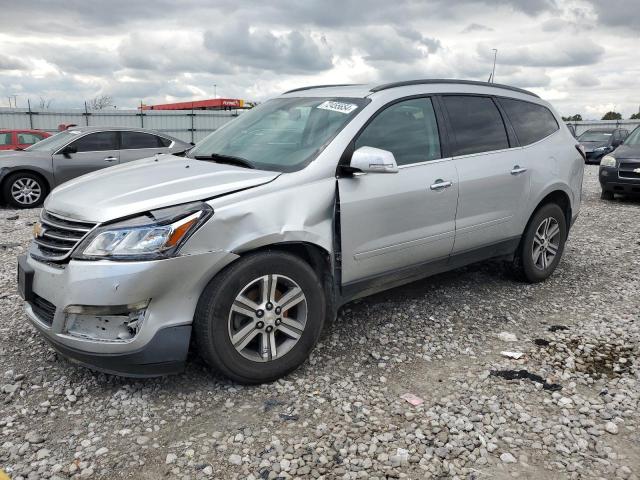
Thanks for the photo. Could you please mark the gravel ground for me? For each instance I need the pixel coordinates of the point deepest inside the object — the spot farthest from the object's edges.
(567, 409)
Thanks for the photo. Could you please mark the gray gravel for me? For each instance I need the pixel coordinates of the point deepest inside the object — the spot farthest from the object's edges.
(341, 415)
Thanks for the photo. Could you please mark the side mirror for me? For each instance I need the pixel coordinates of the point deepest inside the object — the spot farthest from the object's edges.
(373, 160)
(68, 150)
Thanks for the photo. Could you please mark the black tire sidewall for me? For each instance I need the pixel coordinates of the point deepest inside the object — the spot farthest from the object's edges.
(530, 271)
(11, 179)
(212, 336)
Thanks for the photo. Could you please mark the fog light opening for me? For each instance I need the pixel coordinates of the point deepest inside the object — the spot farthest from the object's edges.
(108, 324)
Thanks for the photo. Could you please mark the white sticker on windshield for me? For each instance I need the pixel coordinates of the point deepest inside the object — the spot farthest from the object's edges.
(341, 107)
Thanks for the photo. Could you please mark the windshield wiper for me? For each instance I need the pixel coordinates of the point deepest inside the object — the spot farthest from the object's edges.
(230, 159)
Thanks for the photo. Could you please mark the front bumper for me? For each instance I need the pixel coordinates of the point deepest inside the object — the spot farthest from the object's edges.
(610, 181)
(171, 287)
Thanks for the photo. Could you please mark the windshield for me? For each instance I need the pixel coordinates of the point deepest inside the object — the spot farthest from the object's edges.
(633, 138)
(595, 136)
(54, 142)
(284, 134)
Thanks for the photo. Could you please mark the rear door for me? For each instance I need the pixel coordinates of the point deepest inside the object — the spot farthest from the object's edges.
(493, 175)
(392, 221)
(95, 151)
(136, 145)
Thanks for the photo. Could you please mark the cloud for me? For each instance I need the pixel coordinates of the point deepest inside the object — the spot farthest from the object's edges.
(618, 13)
(584, 79)
(260, 48)
(11, 63)
(567, 52)
(476, 27)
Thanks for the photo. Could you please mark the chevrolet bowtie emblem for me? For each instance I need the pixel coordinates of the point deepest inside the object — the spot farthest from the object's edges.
(636, 170)
(38, 230)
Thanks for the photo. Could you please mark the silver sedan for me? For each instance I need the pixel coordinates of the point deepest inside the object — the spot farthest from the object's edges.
(27, 176)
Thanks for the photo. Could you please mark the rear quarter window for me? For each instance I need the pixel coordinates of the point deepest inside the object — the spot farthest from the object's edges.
(530, 121)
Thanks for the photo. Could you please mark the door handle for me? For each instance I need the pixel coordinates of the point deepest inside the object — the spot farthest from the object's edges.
(111, 159)
(441, 184)
(517, 170)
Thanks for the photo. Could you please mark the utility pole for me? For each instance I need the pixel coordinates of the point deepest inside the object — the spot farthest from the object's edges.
(215, 88)
(492, 77)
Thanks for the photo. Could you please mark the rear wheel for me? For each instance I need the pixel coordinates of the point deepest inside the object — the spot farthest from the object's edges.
(260, 318)
(606, 195)
(24, 190)
(542, 244)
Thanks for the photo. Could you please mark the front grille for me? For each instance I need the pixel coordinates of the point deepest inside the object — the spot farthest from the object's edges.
(626, 170)
(58, 237)
(43, 309)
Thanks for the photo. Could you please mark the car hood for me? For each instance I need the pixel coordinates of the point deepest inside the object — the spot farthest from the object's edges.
(148, 184)
(624, 152)
(13, 158)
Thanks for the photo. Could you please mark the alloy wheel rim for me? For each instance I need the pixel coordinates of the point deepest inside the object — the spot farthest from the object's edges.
(546, 243)
(267, 318)
(26, 191)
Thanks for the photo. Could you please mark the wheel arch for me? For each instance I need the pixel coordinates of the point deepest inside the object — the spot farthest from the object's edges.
(9, 173)
(559, 196)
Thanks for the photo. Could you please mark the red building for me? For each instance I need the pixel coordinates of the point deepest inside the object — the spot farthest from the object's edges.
(212, 104)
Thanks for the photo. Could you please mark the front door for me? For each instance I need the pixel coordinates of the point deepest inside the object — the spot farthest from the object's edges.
(397, 220)
(94, 151)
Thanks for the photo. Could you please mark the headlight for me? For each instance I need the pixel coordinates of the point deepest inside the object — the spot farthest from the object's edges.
(608, 161)
(157, 234)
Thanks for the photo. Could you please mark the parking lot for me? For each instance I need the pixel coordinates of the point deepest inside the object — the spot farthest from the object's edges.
(567, 409)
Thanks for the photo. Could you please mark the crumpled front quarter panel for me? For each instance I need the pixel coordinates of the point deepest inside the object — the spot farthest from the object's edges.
(266, 215)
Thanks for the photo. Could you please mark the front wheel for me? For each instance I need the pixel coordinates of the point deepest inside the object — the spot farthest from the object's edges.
(24, 190)
(542, 244)
(260, 318)
(606, 195)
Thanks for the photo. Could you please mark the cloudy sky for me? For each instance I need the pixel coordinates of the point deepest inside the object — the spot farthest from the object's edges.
(582, 55)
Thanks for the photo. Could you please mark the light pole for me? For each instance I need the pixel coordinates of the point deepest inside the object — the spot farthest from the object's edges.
(215, 87)
(492, 77)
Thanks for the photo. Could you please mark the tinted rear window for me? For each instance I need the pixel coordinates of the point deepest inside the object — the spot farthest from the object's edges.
(133, 140)
(530, 121)
(477, 124)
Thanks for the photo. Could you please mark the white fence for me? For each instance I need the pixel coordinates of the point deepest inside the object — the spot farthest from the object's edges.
(190, 126)
(585, 125)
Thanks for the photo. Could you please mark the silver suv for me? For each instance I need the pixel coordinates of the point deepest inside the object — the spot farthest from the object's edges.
(251, 242)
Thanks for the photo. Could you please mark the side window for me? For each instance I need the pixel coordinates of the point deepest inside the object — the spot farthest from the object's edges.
(25, 138)
(134, 140)
(407, 129)
(530, 121)
(477, 124)
(97, 142)
(5, 138)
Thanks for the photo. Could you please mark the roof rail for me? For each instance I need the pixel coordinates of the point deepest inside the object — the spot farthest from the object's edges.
(387, 86)
(322, 86)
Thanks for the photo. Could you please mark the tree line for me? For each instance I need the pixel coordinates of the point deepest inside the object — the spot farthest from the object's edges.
(611, 115)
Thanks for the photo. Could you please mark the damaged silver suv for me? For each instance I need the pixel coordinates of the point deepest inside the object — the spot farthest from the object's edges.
(255, 238)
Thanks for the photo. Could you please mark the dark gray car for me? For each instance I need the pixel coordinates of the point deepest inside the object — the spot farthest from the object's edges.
(27, 176)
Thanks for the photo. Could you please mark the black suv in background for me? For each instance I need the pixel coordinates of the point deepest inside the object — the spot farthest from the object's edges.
(597, 142)
(620, 170)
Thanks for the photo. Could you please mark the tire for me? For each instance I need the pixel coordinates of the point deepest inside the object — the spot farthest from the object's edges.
(24, 190)
(240, 285)
(606, 195)
(536, 271)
